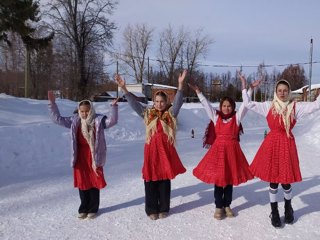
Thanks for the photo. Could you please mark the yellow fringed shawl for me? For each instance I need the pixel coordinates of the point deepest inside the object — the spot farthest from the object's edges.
(168, 122)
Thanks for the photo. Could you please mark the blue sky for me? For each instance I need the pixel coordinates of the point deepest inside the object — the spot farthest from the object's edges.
(245, 32)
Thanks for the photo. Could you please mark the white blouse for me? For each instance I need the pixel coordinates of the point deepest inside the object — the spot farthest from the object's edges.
(302, 108)
(212, 112)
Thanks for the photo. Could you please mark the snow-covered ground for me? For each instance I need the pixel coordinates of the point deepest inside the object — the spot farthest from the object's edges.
(38, 201)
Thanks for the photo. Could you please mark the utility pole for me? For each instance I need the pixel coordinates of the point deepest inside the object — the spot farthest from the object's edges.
(117, 74)
(310, 68)
(148, 70)
(26, 72)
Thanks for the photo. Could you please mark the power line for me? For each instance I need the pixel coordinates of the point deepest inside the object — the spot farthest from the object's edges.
(264, 65)
(216, 65)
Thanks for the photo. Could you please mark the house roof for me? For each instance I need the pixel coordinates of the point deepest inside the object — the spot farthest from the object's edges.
(138, 94)
(300, 90)
(114, 93)
(154, 85)
(120, 94)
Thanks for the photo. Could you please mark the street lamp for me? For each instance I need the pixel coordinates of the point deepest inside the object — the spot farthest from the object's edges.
(310, 68)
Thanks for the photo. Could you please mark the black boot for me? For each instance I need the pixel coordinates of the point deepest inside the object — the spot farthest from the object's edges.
(275, 218)
(288, 212)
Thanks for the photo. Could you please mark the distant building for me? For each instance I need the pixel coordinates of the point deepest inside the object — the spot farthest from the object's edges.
(107, 96)
(144, 92)
(148, 90)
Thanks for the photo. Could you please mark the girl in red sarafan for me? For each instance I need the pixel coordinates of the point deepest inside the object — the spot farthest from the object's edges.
(88, 150)
(276, 161)
(161, 160)
(224, 165)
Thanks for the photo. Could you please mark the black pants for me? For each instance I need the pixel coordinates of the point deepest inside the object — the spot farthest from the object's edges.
(157, 196)
(223, 196)
(90, 200)
(276, 185)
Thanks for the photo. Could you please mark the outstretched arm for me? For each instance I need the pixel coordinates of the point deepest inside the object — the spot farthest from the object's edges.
(178, 99)
(194, 88)
(258, 107)
(113, 119)
(181, 79)
(54, 112)
(245, 98)
(211, 112)
(121, 83)
(51, 97)
(253, 85)
(242, 79)
(305, 108)
(134, 104)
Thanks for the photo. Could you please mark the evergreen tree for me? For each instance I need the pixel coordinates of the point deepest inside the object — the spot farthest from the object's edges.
(21, 16)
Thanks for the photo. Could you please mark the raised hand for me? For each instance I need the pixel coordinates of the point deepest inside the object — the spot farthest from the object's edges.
(51, 96)
(121, 83)
(255, 83)
(194, 88)
(181, 79)
(182, 76)
(114, 102)
(242, 79)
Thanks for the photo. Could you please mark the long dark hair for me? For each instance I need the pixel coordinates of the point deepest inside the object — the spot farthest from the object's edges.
(230, 100)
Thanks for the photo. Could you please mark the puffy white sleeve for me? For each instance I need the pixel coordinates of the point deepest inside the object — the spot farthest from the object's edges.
(261, 108)
(211, 112)
(305, 108)
(243, 107)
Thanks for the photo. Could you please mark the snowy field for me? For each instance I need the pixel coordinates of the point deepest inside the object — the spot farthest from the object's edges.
(38, 201)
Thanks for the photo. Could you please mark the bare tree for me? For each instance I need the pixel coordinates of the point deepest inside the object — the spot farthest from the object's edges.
(96, 75)
(137, 41)
(12, 64)
(64, 73)
(84, 24)
(196, 46)
(23, 18)
(41, 72)
(295, 75)
(12, 57)
(170, 46)
(262, 75)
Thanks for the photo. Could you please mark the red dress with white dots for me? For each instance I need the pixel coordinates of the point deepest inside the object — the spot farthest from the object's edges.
(224, 163)
(277, 158)
(161, 160)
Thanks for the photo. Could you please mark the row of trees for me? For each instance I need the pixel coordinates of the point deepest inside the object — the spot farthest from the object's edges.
(18, 21)
(72, 60)
(73, 51)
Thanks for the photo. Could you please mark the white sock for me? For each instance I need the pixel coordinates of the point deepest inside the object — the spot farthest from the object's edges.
(287, 194)
(273, 194)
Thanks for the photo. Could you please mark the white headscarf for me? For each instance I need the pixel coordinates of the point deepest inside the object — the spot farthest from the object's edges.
(285, 109)
(87, 129)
